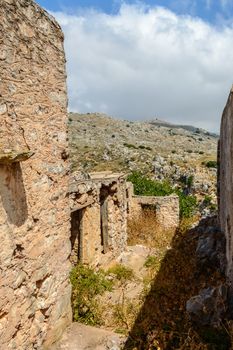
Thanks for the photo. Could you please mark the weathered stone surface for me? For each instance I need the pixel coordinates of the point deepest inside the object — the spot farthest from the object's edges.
(167, 209)
(226, 182)
(209, 307)
(34, 208)
(211, 248)
(15, 157)
(99, 217)
(81, 337)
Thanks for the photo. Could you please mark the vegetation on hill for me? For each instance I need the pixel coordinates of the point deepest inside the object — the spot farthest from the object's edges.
(175, 155)
(143, 186)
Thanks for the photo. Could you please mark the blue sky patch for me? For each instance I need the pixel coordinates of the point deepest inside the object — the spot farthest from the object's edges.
(213, 11)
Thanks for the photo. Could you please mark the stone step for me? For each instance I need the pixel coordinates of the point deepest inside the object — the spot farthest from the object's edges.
(82, 337)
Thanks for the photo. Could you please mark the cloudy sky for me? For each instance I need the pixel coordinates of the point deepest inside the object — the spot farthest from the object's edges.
(144, 59)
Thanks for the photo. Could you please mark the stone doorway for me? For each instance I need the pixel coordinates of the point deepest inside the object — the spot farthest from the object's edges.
(104, 219)
(76, 237)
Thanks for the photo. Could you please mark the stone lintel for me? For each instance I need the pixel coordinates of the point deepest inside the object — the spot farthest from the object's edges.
(14, 156)
(84, 205)
(150, 200)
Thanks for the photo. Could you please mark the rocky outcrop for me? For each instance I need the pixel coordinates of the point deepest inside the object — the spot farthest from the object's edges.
(210, 250)
(209, 307)
(212, 304)
(34, 215)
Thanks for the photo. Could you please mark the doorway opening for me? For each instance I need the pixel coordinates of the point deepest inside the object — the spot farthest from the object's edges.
(76, 237)
(104, 196)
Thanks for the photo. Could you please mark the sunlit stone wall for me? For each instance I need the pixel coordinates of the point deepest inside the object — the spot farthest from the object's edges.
(34, 209)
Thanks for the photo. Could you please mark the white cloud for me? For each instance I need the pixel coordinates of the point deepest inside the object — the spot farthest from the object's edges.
(146, 62)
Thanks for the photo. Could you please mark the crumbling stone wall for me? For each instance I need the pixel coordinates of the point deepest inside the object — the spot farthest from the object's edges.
(98, 202)
(34, 208)
(166, 208)
(117, 218)
(225, 182)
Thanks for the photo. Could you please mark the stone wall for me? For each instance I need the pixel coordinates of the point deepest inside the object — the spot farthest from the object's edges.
(98, 203)
(166, 208)
(225, 182)
(34, 208)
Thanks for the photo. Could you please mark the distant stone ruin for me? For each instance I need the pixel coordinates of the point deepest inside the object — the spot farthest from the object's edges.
(166, 209)
(226, 182)
(98, 217)
(34, 174)
(101, 205)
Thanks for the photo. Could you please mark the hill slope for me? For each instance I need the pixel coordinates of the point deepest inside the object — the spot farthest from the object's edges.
(99, 142)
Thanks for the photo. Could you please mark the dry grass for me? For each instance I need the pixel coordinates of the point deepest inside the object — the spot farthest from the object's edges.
(146, 230)
(162, 323)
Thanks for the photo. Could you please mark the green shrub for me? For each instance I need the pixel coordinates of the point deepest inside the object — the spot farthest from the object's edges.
(130, 145)
(211, 164)
(190, 181)
(213, 207)
(145, 147)
(187, 180)
(207, 200)
(86, 285)
(208, 203)
(152, 261)
(122, 272)
(188, 204)
(147, 187)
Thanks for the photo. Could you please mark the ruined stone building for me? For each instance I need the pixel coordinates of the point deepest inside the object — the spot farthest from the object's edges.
(166, 209)
(34, 208)
(98, 217)
(101, 205)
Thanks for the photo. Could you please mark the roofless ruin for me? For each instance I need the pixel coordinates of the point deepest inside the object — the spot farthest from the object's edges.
(49, 219)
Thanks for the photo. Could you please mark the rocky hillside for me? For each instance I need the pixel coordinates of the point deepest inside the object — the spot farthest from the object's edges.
(159, 149)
